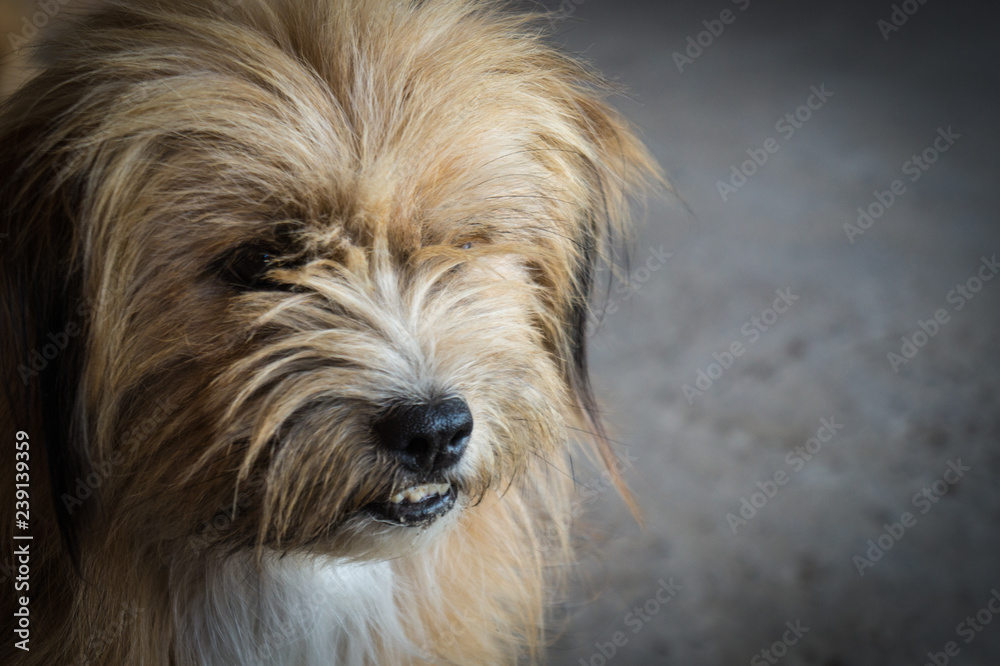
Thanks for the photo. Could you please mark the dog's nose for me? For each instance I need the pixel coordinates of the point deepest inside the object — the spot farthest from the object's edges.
(426, 437)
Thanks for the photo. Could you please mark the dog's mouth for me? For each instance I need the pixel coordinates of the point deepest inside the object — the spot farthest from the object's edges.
(416, 506)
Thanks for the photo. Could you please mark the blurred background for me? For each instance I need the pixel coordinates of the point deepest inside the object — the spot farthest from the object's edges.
(810, 499)
(816, 489)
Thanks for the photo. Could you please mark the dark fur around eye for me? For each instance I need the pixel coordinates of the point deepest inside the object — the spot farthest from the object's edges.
(247, 267)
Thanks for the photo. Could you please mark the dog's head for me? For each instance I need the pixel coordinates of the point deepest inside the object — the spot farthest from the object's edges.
(321, 265)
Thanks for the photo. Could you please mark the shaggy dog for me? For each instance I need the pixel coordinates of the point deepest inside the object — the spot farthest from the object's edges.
(295, 297)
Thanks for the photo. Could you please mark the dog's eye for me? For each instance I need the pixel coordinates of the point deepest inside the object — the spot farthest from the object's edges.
(247, 268)
(467, 246)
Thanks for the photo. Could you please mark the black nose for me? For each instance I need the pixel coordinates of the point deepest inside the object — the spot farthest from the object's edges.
(426, 438)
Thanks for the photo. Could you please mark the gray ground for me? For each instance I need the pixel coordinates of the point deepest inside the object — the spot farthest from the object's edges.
(824, 358)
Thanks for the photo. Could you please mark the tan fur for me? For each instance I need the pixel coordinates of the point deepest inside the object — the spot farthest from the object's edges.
(439, 185)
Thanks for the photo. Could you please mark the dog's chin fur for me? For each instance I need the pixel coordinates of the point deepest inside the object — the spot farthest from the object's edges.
(238, 234)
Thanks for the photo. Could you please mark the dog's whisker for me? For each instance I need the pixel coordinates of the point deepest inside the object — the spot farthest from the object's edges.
(593, 433)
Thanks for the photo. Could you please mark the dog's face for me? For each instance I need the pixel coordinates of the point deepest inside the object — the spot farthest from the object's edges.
(341, 266)
(349, 365)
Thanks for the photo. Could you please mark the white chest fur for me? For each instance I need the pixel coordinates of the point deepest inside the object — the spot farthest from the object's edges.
(300, 611)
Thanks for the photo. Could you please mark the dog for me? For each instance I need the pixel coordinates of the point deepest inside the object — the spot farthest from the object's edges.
(295, 304)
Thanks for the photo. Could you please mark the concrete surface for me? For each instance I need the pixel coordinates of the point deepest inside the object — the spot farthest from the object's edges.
(800, 554)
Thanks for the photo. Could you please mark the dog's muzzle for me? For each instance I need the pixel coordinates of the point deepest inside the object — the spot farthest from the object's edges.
(427, 439)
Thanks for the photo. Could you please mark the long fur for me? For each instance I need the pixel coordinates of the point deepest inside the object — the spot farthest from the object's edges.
(438, 186)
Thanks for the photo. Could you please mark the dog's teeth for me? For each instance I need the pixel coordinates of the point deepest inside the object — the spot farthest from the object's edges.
(419, 493)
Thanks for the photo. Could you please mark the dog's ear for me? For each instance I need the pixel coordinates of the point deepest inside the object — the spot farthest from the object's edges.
(41, 325)
(618, 172)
